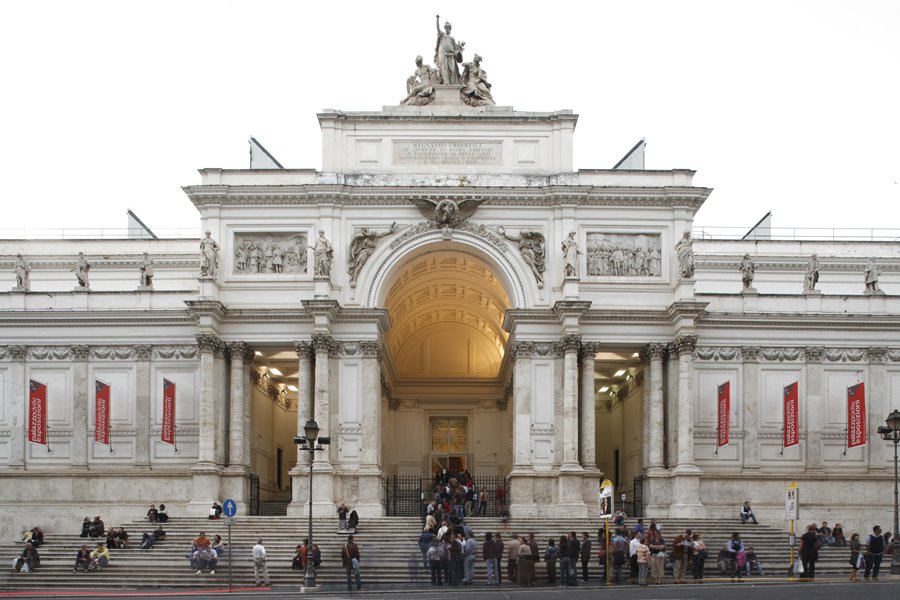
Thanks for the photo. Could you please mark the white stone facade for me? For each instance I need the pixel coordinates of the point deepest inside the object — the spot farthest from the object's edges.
(457, 318)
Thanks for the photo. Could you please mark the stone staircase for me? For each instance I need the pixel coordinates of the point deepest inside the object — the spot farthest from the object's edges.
(388, 546)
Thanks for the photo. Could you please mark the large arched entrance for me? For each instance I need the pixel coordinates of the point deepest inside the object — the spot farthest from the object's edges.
(445, 364)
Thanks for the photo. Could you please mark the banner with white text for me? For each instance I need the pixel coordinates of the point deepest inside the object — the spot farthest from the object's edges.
(724, 409)
(37, 412)
(856, 415)
(791, 415)
(168, 412)
(101, 412)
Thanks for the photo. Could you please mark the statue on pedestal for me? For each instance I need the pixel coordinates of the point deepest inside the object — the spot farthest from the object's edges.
(209, 256)
(323, 254)
(23, 273)
(812, 275)
(146, 271)
(420, 85)
(447, 53)
(361, 248)
(747, 272)
(476, 89)
(570, 255)
(685, 251)
(872, 276)
(82, 268)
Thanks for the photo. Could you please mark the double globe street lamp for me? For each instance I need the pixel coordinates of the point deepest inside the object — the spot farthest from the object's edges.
(311, 441)
(891, 433)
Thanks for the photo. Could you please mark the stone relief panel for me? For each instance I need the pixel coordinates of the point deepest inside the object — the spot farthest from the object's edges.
(270, 253)
(623, 255)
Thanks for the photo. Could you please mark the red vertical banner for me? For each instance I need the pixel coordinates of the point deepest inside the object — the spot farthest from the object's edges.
(856, 415)
(791, 415)
(168, 412)
(101, 412)
(37, 412)
(724, 410)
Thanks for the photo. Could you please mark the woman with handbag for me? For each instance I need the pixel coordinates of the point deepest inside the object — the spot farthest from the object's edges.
(857, 559)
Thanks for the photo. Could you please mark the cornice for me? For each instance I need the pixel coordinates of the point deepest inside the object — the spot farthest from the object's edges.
(542, 193)
(832, 264)
(799, 322)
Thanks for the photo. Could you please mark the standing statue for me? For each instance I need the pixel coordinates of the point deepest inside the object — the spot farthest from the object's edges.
(447, 53)
(685, 251)
(322, 256)
(747, 272)
(23, 273)
(531, 247)
(361, 248)
(82, 267)
(420, 85)
(570, 255)
(872, 276)
(146, 271)
(812, 275)
(476, 89)
(209, 256)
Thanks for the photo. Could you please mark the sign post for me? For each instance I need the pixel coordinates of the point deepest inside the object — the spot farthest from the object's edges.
(792, 514)
(229, 509)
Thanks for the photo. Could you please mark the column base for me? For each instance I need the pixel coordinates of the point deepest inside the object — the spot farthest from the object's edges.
(370, 485)
(206, 488)
(686, 493)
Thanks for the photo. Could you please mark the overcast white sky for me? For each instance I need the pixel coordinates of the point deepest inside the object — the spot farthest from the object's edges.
(781, 105)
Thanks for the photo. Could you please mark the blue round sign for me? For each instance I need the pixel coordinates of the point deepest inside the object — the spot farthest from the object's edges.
(229, 507)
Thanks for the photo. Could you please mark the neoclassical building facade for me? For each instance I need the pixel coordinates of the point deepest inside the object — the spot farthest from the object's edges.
(447, 291)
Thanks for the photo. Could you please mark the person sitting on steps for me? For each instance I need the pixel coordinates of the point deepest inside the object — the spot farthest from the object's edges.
(747, 514)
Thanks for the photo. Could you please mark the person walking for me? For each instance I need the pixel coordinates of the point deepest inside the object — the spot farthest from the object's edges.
(260, 570)
(350, 561)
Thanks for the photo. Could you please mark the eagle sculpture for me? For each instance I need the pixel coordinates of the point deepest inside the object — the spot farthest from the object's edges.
(447, 213)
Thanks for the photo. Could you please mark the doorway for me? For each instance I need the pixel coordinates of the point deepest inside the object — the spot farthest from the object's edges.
(449, 444)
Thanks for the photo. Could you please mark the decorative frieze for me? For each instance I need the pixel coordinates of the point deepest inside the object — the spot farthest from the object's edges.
(781, 354)
(270, 252)
(532, 349)
(814, 354)
(115, 352)
(81, 353)
(893, 355)
(170, 352)
(845, 354)
(623, 255)
(717, 353)
(49, 353)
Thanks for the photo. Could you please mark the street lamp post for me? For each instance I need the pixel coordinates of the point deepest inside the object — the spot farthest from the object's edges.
(312, 442)
(891, 433)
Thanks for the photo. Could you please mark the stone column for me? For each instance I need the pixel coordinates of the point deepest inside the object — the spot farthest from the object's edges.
(239, 406)
(521, 477)
(209, 346)
(814, 409)
(655, 416)
(370, 473)
(80, 406)
(569, 346)
(206, 482)
(587, 413)
(323, 471)
(142, 387)
(877, 407)
(305, 410)
(18, 405)
(645, 411)
(686, 481)
(751, 398)
(684, 346)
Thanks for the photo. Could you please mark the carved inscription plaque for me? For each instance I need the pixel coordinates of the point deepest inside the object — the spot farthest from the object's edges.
(447, 153)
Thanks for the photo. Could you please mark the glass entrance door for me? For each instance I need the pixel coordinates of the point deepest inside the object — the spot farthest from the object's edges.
(449, 444)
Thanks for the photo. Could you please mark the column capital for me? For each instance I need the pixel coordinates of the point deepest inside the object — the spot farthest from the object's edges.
(750, 353)
(17, 352)
(81, 353)
(569, 343)
(653, 351)
(876, 355)
(324, 343)
(685, 344)
(304, 349)
(207, 342)
(142, 351)
(240, 350)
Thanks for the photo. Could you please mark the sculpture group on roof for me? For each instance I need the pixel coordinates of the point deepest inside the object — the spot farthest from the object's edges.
(448, 55)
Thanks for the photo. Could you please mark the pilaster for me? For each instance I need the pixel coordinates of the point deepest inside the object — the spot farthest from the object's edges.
(814, 409)
(80, 386)
(686, 476)
(655, 416)
(587, 410)
(878, 408)
(142, 386)
(17, 405)
(370, 474)
(750, 387)
(206, 482)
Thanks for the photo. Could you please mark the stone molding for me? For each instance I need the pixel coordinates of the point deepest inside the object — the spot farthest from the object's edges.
(845, 354)
(81, 353)
(481, 231)
(207, 342)
(830, 264)
(532, 349)
(142, 352)
(364, 348)
(814, 354)
(782, 354)
(713, 434)
(809, 354)
(13, 352)
(49, 352)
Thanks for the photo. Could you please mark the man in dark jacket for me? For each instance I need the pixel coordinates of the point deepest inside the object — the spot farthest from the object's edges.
(350, 561)
(585, 555)
(574, 557)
